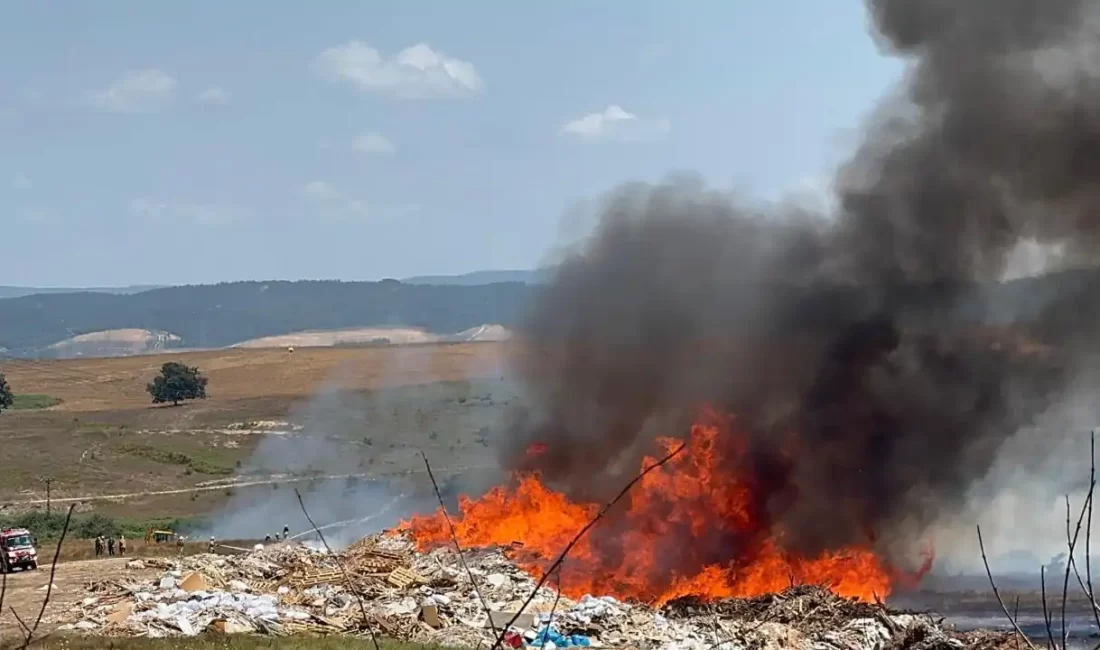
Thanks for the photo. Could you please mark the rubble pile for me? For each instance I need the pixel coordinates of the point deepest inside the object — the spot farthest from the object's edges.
(381, 584)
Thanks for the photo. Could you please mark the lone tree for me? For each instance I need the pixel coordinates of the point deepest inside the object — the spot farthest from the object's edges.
(177, 382)
(6, 398)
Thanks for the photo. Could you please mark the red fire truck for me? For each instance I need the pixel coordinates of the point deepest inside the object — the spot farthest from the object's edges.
(17, 550)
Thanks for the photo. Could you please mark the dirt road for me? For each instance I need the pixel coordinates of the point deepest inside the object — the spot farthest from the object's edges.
(244, 482)
(25, 590)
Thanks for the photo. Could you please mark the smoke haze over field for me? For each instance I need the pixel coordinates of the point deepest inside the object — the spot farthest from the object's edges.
(363, 448)
(842, 327)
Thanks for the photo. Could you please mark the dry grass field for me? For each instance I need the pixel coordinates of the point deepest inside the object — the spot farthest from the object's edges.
(241, 374)
(106, 438)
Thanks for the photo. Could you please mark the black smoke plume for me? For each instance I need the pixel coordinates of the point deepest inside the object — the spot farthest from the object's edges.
(855, 328)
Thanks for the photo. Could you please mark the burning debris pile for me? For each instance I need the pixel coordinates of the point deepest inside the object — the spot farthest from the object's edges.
(635, 554)
(428, 598)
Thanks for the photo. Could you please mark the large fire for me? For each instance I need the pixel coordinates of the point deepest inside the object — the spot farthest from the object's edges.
(673, 518)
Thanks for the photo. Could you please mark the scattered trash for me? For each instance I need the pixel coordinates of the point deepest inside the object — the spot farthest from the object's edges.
(428, 598)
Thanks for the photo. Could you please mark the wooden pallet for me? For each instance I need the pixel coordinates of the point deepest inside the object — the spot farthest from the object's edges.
(403, 578)
(263, 586)
(313, 578)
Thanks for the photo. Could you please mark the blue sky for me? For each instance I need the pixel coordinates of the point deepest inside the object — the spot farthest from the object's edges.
(201, 141)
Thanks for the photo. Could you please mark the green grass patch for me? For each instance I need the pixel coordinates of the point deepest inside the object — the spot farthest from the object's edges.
(223, 642)
(196, 464)
(47, 526)
(32, 402)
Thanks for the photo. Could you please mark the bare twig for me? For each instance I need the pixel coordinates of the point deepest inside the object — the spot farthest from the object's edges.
(1069, 566)
(1046, 613)
(1072, 543)
(347, 581)
(1086, 588)
(1070, 563)
(49, 586)
(1088, 528)
(1015, 618)
(18, 619)
(3, 592)
(553, 609)
(580, 534)
(458, 547)
(993, 584)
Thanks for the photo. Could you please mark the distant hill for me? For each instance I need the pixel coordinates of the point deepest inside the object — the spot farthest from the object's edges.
(220, 315)
(538, 276)
(18, 292)
(369, 336)
(113, 343)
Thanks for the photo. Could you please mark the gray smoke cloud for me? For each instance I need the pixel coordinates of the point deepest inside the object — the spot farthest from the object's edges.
(354, 454)
(858, 328)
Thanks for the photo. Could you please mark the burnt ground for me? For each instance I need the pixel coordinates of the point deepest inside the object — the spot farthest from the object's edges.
(968, 603)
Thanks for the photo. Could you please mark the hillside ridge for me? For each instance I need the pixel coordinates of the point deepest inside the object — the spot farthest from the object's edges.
(219, 315)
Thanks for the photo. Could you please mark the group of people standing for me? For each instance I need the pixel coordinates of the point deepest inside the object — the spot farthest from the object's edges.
(285, 537)
(108, 545)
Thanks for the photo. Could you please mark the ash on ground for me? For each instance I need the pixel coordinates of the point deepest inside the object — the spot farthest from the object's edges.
(381, 583)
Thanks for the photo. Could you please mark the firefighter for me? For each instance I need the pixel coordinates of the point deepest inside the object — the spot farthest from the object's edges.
(111, 546)
(212, 544)
(99, 546)
(267, 539)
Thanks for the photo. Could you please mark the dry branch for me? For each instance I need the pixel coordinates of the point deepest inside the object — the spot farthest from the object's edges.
(553, 610)
(3, 592)
(580, 534)
(1088, 529)
(1015, 619)
(22, 625)
(351, 586)
(1046, 613)
(49, 586)
(458, 547)
(1072, 543)
(997, 593)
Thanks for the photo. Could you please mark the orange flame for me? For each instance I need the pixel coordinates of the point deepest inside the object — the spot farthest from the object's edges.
(675, 517)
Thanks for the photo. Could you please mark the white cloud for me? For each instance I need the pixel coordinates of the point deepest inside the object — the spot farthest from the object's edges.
(197, 213)
(214, 95)
(337, 205)
(21, 182)
(141, 91)
(142, 207)
(209, 215)
(415, 72)
(614, 123)
(373, 143)
(320, 191)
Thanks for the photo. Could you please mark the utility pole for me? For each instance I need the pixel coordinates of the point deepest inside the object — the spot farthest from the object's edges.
(49, 482)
